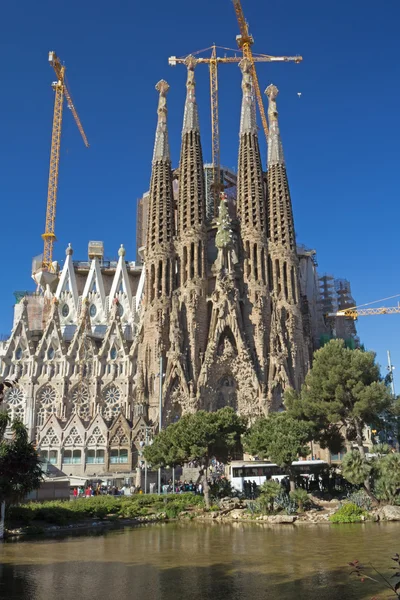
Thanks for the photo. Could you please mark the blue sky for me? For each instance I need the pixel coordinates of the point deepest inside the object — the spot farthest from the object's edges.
(340, 138)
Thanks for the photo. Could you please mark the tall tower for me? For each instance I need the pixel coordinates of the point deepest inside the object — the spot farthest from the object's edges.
(251, 208)
(288, 346)
(191, 243)
(159, 260)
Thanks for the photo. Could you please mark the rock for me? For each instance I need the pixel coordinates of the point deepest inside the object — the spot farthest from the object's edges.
(280, 519)
(389, 513)
(236, 513)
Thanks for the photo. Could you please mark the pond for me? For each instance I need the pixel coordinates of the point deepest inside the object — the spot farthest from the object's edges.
(197, 561)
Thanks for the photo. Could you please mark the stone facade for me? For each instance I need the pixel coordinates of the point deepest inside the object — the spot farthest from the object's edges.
(213, 318)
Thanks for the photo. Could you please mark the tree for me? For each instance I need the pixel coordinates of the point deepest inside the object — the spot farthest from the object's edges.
(342, 391)
(355, 468)
(198, 438)
(20, 467)
(281, 438)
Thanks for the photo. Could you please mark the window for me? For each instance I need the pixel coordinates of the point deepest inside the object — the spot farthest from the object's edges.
(92, 310)
(119, 456)
(53, 457)
(95, 457)
(65, 310)
(50, 353)
(18, 353)
(120, 310)
(113, 353)
(72, 457)
(44, 454)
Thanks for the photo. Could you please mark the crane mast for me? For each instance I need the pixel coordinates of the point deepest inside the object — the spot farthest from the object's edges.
(60, 88)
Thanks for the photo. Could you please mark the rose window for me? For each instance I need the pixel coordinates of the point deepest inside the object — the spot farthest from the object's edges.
(47, 396)
(15, 399)
(112, 402)
(80, 401)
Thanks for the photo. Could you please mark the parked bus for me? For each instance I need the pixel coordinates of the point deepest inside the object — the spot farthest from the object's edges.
(240, 471)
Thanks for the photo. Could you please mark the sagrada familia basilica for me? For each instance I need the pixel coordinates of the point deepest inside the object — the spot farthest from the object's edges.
(214, 317)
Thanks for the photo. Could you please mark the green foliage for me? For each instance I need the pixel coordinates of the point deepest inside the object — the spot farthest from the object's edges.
(268, 492)
(348, 513)
(355, 468)
(20, 468)
(197, 438)
(222, 488)
(343, 388)
(360, 499)
(387, 482)
(279, 437)
(99, 507)
(301, 498)
(284, 501)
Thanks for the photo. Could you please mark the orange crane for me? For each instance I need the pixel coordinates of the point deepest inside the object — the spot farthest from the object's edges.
(213, 61)
(61, 90)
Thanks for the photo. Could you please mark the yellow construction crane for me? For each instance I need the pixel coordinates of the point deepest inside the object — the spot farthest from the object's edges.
(213, 61)
(353, 312)
(61, 90)
(245, 42)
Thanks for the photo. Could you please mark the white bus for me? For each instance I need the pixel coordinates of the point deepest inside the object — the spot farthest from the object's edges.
(241, 471)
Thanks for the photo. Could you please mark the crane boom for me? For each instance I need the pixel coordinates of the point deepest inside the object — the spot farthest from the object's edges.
(61, 90)
(354, 313)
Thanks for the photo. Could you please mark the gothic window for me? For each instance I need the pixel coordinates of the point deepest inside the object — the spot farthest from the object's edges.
(92, 310)
(50, 353)
(112, 402)
(18, 353)
(119, 438)
(80, 401)
(74, 438)
(97, 438)
(120, 310)
(50, 439)
(65, 310)
(113, 353)
(47, 404)
(15, 400)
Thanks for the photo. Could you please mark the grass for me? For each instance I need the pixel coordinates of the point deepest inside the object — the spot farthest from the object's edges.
(59, 512)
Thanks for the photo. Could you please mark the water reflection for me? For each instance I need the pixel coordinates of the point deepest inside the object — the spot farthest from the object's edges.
(198, 562)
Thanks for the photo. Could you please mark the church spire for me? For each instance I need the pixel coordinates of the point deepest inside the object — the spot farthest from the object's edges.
(191, 116)
(275, 150)
(280, 215)
(191, 204)
(161, 213)
(251, 193)
(248, 123)
(161, 144)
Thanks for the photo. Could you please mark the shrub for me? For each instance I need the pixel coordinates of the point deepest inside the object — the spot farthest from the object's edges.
(361, 499)
(269, 491)
(348, 513)
(301, 499)
(284, 501)
(222, 488)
